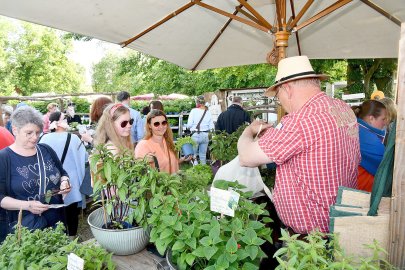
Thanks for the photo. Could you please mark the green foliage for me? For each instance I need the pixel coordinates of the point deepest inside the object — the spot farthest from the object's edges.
(224, 146)
(48, 249)
(37, 62)
(319, 253)
(198, 238)
(196, 177)
(82, 105)
(184, 140)
(128, 184)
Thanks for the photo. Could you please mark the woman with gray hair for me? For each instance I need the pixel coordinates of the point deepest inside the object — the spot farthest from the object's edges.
(31, 177)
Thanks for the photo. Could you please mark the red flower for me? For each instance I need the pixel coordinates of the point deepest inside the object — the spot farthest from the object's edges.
(239, 246)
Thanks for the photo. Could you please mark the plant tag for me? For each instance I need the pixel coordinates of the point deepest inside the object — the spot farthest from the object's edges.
(75, 262)
(224, 201)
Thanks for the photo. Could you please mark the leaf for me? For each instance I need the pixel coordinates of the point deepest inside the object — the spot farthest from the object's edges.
(252, 251)
(190, 259)
(178, 245)
(199, 252)
(258, 241)
(249, 266)
(191, 242)
(209, 252)
(231, 245)
(166, 233)
(206, 241)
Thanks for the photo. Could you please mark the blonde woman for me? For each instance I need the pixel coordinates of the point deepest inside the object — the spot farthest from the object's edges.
(114, 128)
(158, 142)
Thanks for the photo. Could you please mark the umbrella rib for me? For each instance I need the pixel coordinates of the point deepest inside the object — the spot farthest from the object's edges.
(250, 16)
(382, 12)
(216, 38)
(256, 14)
(230, 15)
(300, 14)
(162, 21)
(296, 33)
(278, 9)
(323, 13)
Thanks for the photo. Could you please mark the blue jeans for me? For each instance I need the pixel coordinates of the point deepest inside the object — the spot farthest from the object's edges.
(201, 140)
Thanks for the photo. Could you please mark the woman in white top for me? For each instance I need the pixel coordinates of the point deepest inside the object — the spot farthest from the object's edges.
(200, 124)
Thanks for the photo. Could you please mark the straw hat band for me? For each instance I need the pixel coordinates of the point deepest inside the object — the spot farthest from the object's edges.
(295, 75)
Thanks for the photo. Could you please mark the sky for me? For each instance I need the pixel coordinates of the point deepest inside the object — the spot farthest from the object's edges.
(88, 53)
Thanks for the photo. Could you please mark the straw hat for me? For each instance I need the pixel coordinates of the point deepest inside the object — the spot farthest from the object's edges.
(294, 68)
(377, 94)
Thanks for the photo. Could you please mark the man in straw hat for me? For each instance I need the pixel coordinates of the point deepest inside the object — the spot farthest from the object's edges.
(316, 147)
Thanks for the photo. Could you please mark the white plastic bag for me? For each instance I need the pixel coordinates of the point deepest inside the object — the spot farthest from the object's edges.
(249, 177)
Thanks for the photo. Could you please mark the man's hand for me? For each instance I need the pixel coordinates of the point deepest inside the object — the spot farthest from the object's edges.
(256, 128)
(36, 207)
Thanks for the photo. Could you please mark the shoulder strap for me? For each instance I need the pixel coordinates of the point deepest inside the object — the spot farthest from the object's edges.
(199, 123)
(66, 148)
(156, 163)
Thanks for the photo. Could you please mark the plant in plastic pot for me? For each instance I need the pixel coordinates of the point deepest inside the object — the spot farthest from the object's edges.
(201, 239)
(185, 145)
(123, 205)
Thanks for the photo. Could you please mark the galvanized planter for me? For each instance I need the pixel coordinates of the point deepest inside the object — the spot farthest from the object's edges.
(120, 242)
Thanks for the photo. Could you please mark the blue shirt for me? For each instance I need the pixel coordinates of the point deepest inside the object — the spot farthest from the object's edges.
(137, 129)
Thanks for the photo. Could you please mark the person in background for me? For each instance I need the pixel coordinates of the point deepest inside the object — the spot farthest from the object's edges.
(200, 124)
(30, 173)
(391, 114)
(6, 138)
(156, 105)
(73, 164)
(231, 119)
(372, 120)
(96, 112)
(71, 115)
(114, 128)
(145, 111)
(137, 126)
(158, 142)
(7, 111)
(315, 147)
(51, 107)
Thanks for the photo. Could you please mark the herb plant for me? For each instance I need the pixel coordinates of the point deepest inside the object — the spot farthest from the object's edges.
(184, 140)
(196, 177)
(201, 239)
(48, 249)
(319, 253)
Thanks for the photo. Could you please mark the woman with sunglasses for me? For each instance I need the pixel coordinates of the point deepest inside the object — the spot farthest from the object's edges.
(114, 128)
(158, 142)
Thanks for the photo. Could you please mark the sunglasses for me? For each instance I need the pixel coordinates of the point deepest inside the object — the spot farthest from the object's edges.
(125, 123)
(163, 123)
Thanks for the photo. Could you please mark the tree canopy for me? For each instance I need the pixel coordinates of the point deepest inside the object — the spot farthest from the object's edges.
(34, 59)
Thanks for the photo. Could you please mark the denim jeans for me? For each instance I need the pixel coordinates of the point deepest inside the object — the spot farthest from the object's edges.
(201, 147)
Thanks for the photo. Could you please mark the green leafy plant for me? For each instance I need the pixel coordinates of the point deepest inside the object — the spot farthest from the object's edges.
(184, 140)
(119, 177)
(317, 252)
(196, 177)
(48, 249)
(224, 146)
(201, 239)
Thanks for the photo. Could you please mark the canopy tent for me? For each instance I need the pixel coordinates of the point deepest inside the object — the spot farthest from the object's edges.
(151, 96)
(209, 34)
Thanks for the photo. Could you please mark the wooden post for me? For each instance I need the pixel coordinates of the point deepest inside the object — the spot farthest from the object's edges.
(397, 220)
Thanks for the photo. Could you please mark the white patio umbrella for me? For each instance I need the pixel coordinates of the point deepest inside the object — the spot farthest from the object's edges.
(216, 33)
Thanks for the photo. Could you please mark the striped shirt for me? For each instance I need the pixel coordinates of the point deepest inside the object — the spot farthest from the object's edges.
(316, 150)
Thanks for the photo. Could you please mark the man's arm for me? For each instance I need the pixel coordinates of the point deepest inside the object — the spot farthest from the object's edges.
(250, 153)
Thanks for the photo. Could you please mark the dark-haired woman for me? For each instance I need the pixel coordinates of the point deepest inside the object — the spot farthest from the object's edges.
(371, 117)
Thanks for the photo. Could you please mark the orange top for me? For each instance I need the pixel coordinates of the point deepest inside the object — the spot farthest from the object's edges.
(365, 180)
(145, 147)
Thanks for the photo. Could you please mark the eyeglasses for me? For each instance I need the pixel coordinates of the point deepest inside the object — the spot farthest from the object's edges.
(163, 123)
(275, 98)
(125, 123)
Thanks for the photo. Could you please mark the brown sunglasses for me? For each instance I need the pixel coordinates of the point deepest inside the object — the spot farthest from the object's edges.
(163, 123)
(125, 123)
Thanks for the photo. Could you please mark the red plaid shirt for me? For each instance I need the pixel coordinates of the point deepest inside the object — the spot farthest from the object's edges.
(316, 150)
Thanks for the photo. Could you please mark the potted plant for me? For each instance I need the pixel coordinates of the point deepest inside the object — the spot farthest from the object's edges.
(185, 145)
(116, 224)
(200, 239)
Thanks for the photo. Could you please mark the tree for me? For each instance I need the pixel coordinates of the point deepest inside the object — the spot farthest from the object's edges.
(6, 87)
(37, 62)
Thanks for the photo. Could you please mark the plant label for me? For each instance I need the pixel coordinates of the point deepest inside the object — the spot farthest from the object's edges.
(224, 201)
(75, 262)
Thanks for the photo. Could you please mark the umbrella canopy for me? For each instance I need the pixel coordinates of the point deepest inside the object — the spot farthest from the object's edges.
(173, 96)
(149, 96)
(207, 34)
